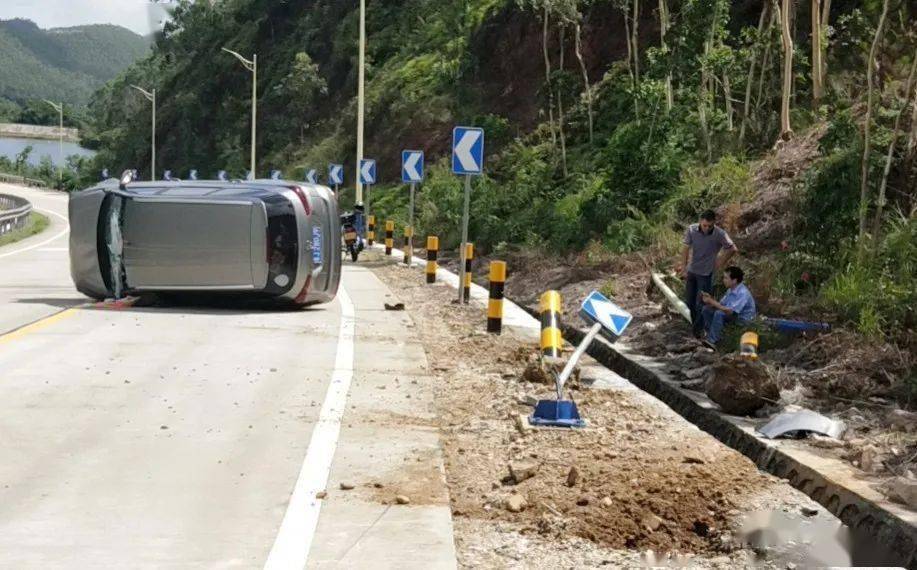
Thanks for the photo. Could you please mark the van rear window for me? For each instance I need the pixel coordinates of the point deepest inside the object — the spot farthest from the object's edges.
(283, 244)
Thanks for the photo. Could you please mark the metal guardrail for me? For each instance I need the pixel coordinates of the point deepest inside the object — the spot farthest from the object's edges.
(14, 213)
(21, 180)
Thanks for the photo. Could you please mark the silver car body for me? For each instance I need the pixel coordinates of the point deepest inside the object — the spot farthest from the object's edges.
(260, 238)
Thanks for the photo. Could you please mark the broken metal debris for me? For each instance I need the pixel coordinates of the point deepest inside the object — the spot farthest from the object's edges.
(802, 422)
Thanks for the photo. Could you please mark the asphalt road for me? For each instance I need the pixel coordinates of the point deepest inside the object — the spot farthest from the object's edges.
(197, 437)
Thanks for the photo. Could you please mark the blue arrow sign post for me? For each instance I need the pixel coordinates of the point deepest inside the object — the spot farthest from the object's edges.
(467, 161)
(604, 316)
(412, 164)
(311, 176)
(367, 173)
(336, 176)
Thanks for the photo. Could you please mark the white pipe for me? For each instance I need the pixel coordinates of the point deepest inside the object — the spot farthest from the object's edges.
(671, 297)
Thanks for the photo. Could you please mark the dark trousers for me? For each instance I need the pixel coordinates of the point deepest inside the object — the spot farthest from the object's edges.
(693, 287)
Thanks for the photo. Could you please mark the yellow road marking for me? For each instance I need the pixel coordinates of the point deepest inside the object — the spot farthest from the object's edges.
(37, 325)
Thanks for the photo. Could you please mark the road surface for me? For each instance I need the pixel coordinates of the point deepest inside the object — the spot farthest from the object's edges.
(196, 437)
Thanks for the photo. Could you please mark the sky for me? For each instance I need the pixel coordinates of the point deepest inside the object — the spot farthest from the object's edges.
(132, 14)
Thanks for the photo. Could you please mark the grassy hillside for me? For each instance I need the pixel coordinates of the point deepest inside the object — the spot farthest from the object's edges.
(65, 64)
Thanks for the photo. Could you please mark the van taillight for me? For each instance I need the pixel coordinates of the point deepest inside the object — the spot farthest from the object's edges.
(304, 199)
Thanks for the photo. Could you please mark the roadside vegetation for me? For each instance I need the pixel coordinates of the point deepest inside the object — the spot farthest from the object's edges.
(609, 125)
(36, 224)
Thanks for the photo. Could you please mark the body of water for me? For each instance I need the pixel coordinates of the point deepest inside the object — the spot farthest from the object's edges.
(11, 146)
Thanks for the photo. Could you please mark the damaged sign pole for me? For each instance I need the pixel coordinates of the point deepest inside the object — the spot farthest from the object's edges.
(561, 379)
(467, 161)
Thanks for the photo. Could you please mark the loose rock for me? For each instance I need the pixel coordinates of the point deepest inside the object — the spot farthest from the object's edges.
(402, 500)
(519, 472)
(346, 486)
(572, 476)
(515, 503)
(741, 386)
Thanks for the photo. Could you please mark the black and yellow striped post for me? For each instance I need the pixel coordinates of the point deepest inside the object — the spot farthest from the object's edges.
(408, 245)
(552, 341)
(389, 236)
(495, 303)
(469, 256)
(432, 256)
(371, 230)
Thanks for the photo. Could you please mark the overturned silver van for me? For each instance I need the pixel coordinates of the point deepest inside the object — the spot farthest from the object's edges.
(267, 239)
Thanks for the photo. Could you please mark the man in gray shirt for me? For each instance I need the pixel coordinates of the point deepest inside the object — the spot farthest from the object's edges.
(703, 241)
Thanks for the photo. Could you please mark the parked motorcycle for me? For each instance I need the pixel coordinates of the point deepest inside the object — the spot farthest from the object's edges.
(353, 242)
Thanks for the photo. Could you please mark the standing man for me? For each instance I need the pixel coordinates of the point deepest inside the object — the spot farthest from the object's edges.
(703, 241)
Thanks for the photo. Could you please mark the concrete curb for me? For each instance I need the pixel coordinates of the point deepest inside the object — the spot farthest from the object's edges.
(513, 315)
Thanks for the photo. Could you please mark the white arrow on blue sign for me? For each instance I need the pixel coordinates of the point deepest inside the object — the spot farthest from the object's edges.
(276, 175)
(336, 174)
(367, 171)
(468, 150)
(411, 166)
(310, 176)
(193, 175)
(221, 175)
(598, 308)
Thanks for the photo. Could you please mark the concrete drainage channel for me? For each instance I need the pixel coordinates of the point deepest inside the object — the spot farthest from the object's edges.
(830, 482)
(833, 484)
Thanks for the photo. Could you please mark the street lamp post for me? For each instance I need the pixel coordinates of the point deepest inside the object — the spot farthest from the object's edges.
(151, 97)
(360, 99)
(251, 65)
(60, 164)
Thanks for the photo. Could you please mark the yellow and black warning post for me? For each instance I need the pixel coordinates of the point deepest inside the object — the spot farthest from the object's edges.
(432, 256)
(469, 256)
(552, 341)
(389, 236)
(371, 230)
(408, 245)
(495, 302)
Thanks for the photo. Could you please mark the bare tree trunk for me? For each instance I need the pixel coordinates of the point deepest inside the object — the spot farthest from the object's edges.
(818, 85)
(727, 93)
(630, 57)
(663, 30)
(578, 47)
(864, 166)
(636, 41)
(547, 74)
(560, 102)
(765, 11)
(889, 157)
(703, 95)
(825, 22)
(766, 60)
(786, 131)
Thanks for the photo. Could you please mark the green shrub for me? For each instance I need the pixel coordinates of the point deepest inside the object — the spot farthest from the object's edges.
(702, 187)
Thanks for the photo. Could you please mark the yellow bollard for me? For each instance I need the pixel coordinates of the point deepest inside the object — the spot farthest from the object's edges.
(408, 245)
(495, 302)
(469, 256)
(371, 230)
(389, 236)
(552, 341)
(748, 346)
(432, 256)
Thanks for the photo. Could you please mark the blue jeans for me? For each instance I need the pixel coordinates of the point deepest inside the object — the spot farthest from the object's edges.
(714, 321)
(694, 284)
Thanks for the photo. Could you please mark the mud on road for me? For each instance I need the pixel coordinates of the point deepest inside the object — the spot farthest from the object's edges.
(639, 478)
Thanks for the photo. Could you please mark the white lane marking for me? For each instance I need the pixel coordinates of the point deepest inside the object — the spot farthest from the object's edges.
(47, 241)
(294, 539)
(54, 249)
